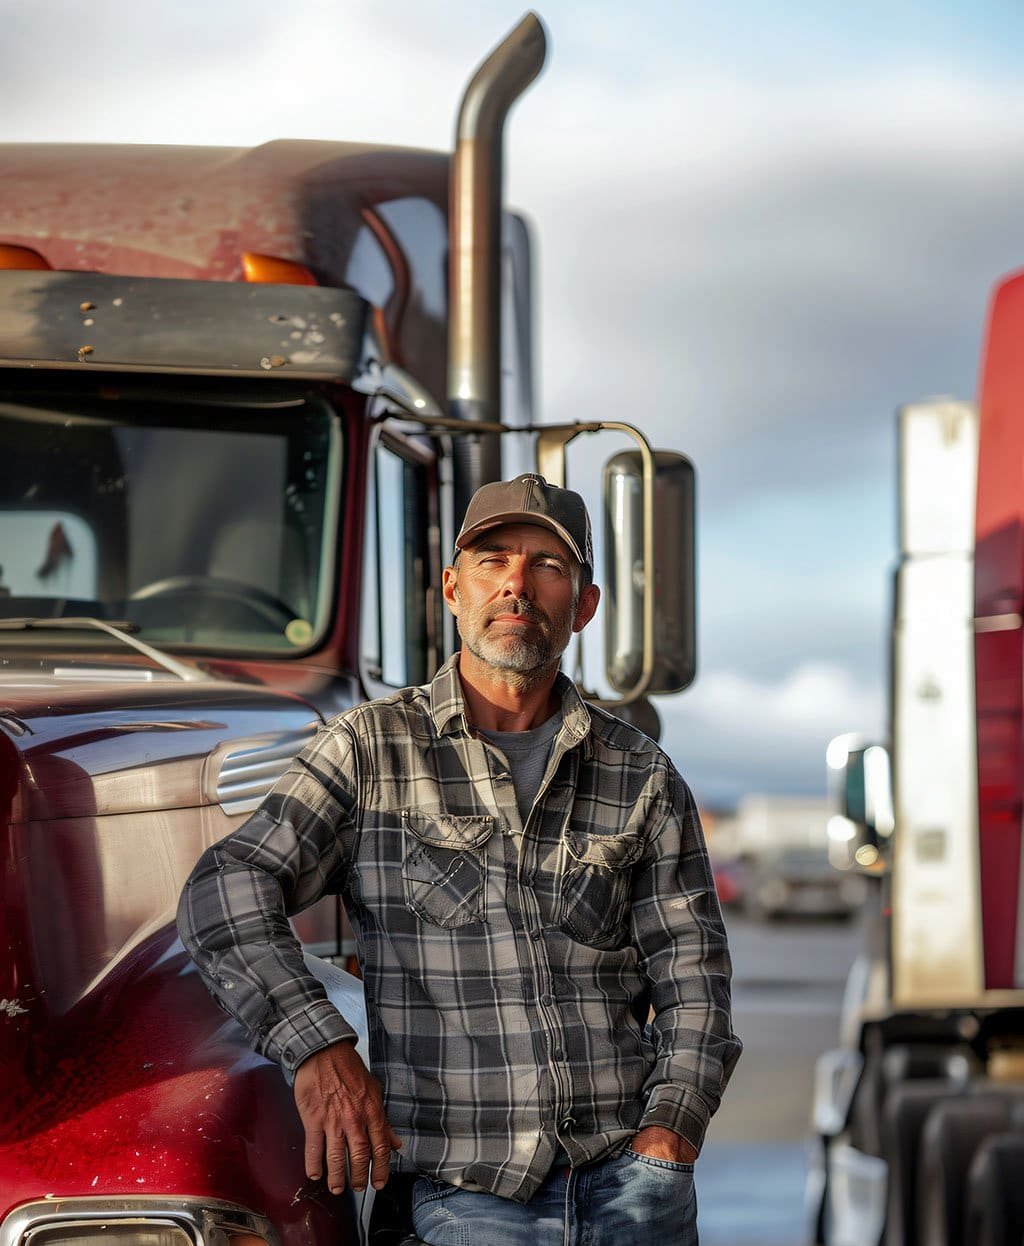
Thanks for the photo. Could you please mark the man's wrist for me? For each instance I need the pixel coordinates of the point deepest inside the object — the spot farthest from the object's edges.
(683, 1114)
(658, 1142)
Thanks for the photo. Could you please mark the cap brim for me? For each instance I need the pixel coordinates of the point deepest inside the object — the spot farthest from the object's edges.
(469, 535)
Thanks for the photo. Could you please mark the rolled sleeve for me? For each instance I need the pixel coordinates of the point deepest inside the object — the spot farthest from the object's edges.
(678, 929)
(308, 1031)
(234, 909)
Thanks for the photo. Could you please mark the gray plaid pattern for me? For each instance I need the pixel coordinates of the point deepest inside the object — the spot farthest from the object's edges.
(509, 968)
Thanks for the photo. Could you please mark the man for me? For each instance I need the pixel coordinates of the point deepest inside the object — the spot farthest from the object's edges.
(528, 883)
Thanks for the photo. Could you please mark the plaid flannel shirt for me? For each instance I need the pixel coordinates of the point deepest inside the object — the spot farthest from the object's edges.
(509, 967)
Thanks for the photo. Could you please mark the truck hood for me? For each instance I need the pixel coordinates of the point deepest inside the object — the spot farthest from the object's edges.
(110, 789)
(101, 747)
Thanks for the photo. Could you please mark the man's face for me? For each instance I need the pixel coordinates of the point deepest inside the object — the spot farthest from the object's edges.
(515, 596)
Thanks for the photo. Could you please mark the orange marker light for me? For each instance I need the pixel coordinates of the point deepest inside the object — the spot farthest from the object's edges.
(21, 257)
(272, 269)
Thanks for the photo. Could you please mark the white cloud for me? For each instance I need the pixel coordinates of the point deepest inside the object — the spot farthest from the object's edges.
(732, 734)
(774, 265)
(814, 699)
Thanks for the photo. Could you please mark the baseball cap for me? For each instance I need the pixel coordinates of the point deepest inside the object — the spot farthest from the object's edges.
(530, 499)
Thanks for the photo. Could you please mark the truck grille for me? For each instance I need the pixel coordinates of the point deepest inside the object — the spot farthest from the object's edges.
(252, 767)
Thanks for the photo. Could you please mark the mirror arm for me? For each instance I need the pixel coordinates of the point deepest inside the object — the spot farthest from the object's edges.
(551, 443)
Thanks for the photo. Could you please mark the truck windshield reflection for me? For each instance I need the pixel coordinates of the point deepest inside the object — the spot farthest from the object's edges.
(206, 526)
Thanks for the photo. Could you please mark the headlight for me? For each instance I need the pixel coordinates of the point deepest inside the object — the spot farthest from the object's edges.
(150, 1221)
(114, 1232)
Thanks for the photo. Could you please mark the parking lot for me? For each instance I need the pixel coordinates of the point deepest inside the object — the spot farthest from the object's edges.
(789, 979)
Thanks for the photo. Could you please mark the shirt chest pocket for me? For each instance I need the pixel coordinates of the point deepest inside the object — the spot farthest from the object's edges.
(444, 866)
(596, 886)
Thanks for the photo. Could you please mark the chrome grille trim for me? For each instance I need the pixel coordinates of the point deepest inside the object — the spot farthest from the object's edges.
(204, 1220)
(252, 767)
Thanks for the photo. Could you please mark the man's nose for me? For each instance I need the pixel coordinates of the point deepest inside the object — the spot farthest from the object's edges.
(518, 581)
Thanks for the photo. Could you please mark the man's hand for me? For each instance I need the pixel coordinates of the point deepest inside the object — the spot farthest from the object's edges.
(342, 1112)
(658, 1143)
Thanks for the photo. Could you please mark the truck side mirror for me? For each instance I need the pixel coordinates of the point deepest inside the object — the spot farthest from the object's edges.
(659, 653)
(860, 779)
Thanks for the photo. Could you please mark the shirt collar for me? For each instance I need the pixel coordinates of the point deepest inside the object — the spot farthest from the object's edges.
(448, 707)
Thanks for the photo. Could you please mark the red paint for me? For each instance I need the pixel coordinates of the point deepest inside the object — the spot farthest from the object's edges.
(124, 1101)
(999, 655)
(120, 1074)
(193, 212)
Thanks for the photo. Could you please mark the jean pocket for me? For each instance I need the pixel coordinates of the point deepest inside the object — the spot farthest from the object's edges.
(668, 1165)
(596, 884)
(430, 1190)
(444, 868)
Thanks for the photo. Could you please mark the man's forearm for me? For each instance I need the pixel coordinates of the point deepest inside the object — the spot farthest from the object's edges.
(684, 955)
(233, 921)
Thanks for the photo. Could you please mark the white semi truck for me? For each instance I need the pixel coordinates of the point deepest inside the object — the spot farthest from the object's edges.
(919, 1112)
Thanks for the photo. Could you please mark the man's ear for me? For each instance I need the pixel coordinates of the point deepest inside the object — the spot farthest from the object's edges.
(586, 607)
(450, 589)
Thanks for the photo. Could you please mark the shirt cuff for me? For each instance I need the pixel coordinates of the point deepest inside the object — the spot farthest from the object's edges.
(304, 1033)
(672, 1108)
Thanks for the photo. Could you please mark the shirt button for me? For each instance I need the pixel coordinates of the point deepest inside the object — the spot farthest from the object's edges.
(536, 935)
(546, 1000)
(566, 1124)
(558, 1053)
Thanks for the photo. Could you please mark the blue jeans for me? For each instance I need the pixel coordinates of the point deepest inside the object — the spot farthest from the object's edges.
(624, 1201)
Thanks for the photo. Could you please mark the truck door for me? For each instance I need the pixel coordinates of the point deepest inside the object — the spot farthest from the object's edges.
(402, 631)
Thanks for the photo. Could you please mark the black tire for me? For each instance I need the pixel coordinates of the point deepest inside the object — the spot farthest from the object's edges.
(995, 1192)
(886, 1070)
(950, 1138)
(903, 1116)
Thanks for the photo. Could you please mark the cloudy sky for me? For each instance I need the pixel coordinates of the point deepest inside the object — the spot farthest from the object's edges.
(761, 227)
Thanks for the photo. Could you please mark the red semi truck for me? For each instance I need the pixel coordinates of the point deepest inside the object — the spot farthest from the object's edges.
(921, 1113)
(244, 396)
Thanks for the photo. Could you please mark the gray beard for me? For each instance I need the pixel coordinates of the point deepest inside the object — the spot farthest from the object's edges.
(523, 662)
(523, 657)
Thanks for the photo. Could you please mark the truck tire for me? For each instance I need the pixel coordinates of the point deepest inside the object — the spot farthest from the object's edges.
(952, 1064)
(952, 1134)
(904, 1113)
(995, 1192)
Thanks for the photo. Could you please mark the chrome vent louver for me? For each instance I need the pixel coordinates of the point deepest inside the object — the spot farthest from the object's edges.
(251, 768)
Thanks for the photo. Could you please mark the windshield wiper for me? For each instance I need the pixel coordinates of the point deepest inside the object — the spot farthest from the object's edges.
(119, 629)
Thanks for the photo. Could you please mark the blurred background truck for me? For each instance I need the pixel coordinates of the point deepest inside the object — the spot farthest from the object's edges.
(772, 859)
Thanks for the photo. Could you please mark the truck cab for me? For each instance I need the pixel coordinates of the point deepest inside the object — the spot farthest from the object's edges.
(244, 395)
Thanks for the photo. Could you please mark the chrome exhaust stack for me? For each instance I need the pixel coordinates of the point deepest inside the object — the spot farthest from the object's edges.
(475, 250)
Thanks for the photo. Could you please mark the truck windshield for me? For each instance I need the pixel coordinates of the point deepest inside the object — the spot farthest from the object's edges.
(207, 525)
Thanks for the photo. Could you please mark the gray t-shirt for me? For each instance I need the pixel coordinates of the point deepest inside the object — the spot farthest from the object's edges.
(527, 753)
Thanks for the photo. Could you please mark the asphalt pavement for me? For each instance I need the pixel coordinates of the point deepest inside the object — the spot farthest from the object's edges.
(787, 993)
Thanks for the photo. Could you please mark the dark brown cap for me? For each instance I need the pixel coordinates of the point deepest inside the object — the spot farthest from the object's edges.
(530, 499)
